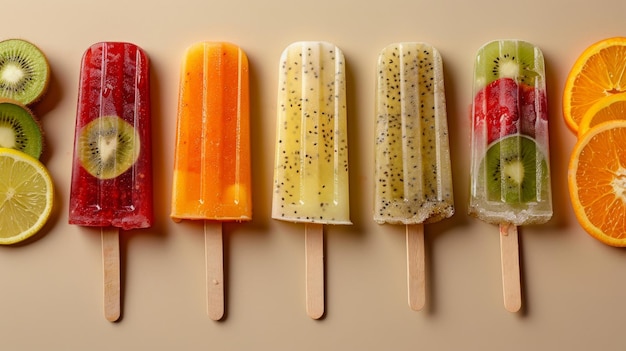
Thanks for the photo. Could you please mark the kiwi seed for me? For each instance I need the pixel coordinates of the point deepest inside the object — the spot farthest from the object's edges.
(24, 71)
(19, 129)
(108, 146)
(509, 59)
(514, 165)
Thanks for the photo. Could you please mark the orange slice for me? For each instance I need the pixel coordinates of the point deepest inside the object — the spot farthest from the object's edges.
(609, 108)
(600, 71)
(597, 182)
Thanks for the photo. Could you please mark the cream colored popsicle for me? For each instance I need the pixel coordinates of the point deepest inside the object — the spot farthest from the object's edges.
(510, 173)
(413, 178)
(311, 164)
(212, 176)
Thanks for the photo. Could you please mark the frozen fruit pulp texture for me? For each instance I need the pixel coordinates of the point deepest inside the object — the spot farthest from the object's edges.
(311, 160)
(505, 107)
(510, 105)
(212, 160)
(413, 179)
(114, 81)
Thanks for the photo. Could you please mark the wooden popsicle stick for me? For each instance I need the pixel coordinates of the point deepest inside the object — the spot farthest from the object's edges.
(214, 256)
(511, 285)
(416, 277)
(111, 268)
(314, 252)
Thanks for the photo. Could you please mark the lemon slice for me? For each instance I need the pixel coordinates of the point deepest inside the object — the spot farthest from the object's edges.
(26, 196)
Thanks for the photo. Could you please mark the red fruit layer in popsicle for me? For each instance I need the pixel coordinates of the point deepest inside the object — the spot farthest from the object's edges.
(508, 108)
(114, 81)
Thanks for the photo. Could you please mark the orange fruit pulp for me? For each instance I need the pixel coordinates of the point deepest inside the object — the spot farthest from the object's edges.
(600, 71)
(597, 182)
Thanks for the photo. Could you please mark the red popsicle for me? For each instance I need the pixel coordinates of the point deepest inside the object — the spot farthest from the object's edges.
(112, 167)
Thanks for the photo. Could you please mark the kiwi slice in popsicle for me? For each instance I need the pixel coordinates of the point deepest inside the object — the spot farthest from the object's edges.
(108, 146)
(19, 129)
(513, 167)
(515, 59)
(24, 71)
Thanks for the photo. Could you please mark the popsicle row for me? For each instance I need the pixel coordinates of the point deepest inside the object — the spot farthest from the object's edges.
(112, 176)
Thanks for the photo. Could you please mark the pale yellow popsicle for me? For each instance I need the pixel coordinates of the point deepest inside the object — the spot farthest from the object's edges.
(311, 165)
(311, 170)
(413, 177)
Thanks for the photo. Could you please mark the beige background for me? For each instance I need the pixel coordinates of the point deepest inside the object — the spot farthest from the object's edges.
(51, 288)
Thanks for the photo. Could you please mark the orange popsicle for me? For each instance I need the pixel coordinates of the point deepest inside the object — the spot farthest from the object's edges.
(212, 160)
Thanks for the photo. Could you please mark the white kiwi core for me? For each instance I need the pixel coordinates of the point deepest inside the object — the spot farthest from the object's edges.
(7, 137)
(515, 171)
(509, 69)
(12, 73)
(107, 146)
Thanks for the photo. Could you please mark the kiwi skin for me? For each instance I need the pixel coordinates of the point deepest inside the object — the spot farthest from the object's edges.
(38, 63)
(36, 144)
(521, 154)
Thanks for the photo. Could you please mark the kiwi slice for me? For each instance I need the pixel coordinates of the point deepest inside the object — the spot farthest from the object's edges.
(513, 167)
(24, 71)
(515, 59)
(108, 146)
(19, 129)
